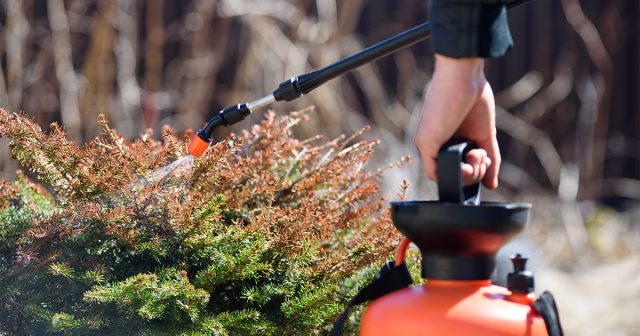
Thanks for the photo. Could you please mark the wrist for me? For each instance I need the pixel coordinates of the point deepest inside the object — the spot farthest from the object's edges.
(463, 75)
(468, 68)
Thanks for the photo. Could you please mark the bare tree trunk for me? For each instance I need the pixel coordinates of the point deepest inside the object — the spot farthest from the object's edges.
(16, 31)
(4, 97)
(67, 78)
(153, 60)
(98, 69)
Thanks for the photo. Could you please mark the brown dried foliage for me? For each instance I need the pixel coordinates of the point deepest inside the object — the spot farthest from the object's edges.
(302, 190)
(294, 191)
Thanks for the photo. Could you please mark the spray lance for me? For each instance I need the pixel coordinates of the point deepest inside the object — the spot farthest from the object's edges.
(297, 86)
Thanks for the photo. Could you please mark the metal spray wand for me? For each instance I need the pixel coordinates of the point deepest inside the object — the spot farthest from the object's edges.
(298, 86)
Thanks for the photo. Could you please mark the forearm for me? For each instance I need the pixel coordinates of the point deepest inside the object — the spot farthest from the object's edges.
(454, 89)
(459, 101)
(465, 74)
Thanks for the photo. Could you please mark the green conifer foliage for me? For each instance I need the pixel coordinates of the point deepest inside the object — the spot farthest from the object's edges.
(265, 235)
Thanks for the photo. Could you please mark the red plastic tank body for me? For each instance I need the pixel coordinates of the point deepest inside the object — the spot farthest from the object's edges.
(452, 307)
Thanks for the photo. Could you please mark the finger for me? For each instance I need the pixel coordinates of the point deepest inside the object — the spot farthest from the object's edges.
(486, 163)
(467, 174)
(490, 179)
(475, 166)
(429, 166)
(472, 159)
(427, 157)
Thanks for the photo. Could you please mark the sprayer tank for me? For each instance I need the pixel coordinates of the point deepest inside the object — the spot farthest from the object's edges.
(445, 308)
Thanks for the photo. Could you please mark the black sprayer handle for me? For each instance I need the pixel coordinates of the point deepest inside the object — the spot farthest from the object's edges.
(298, 86)
(450, 188)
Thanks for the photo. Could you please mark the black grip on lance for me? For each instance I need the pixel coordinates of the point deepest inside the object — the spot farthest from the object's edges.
(228, 116)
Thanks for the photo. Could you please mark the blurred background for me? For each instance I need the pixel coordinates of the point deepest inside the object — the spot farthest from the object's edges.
(568, 99)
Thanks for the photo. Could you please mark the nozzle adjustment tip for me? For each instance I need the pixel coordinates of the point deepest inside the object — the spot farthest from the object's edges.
(198, 146)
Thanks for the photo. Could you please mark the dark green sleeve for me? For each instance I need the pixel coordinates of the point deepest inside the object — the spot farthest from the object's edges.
(462, 28)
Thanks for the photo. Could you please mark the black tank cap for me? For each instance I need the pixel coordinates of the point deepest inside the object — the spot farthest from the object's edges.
(520, 280)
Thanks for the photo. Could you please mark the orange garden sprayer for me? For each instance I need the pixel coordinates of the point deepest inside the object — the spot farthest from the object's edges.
(458, 237)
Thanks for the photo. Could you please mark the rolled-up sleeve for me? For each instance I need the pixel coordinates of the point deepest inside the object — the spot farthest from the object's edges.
(462, 28)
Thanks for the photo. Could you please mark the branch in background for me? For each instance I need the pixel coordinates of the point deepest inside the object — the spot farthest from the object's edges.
(4, 96)
(519, 179)
(623, 187)
(350, 12)
(126, 42)
(603, 82)
(577, 235)
(327, 15)
(372, 85)
(153, 57)
(538, 100)
(271, 53)
(203, 62)
(536, 139)
(67, 78)
(520, 91)
(557, 91)
(586, 141)
(411, 86)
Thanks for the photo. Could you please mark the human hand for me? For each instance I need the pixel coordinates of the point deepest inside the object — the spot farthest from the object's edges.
(460, 103)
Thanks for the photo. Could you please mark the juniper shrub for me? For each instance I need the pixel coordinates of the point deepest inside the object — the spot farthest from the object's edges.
(269, 236)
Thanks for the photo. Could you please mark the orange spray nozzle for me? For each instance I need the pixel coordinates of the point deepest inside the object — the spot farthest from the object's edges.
(198, 145)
